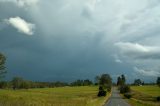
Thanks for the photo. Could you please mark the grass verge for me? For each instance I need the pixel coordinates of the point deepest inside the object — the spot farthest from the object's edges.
(144, 96)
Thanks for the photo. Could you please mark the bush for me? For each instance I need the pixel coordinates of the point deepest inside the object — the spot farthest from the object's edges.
(101, 92)
(3, 84)
(108, 88)
(124, 89)
(128, 95)
(25, 85)
(158, 98)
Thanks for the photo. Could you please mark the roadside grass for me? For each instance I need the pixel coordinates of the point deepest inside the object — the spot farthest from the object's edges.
(144, 96)
(148, 90)
(63, 96)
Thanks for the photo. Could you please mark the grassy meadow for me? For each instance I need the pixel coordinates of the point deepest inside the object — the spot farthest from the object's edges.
(145, 95)
(62, 96)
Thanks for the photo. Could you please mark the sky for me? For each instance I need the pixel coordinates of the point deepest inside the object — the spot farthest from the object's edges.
(65, 40)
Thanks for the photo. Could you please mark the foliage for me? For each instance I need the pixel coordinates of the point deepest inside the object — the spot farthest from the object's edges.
(128, 95)
(20, 83)
(121, 80)
(101, 92)
(97, 79)
(25, 84)
(105, 83)
(158, 98)
(86, 82)
(3, 84)
(124, 89)
(158, 81)
(17, 83)
(2, 67)
(137, 82)
(105, 80)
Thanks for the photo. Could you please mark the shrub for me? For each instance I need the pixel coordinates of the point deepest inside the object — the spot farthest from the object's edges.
(3, 84)
(128, 95)
(158, 98)
(108, 87)
(125, 89)
(101, 92)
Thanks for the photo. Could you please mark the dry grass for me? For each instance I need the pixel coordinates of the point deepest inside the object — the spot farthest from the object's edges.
(145, 96)
(64, 96)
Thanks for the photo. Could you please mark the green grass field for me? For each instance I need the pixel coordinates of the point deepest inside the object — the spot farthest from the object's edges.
(145, 95)
(63, 96)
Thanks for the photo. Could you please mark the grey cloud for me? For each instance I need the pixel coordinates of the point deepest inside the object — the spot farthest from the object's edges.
(138, 51)
(148, 73)
(21, 3)
(76, 39)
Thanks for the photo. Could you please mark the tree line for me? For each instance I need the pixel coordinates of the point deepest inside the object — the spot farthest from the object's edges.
(20, 83)
(104, 81)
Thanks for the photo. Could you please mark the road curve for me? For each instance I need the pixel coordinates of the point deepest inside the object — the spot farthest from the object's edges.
(116, 99)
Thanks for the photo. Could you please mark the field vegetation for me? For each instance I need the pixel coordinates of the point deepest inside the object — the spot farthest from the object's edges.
(145, 95)
(62, 96)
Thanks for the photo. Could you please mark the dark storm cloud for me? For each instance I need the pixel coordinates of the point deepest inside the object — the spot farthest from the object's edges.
(76, 39)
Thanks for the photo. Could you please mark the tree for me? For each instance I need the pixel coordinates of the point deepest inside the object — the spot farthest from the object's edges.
(16, 82)
(137, 82)
(105, 79)
(3, 84)
(97, 78)
(124, 89)
(101, 92)
(121, 80)
(2, 67)
(158, 81)
(25, 84)
(105, 83)
(87, 82)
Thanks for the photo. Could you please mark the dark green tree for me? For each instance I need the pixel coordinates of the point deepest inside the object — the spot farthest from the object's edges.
(25, 84)
(105, 83)
(97, 78)
(87, 82)
(119, 81)
(2, 67)
(3, 84)
(105, 79)
(137, 82)
(123, 79)
(158, 81)
(17, 82)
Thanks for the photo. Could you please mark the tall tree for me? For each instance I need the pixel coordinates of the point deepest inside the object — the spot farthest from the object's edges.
(137, 82)
(105, 83)
(2, 67)
(158, 81)
(105, 79)
(97, 78)
(17, 82)
(119, 81)
(123, 79)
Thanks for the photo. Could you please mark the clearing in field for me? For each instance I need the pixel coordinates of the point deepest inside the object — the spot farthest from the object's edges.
(63, 96)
